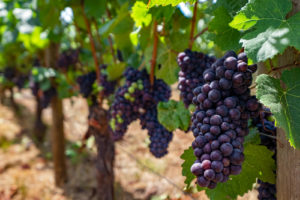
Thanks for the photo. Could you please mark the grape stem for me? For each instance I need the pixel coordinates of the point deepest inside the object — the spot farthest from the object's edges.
(141, 65)
(93, 49)
(201, 33)
(283, 67)
(193, 24)
(110, 42)
(270, 136)
(92, 42)
(78, 34)
(99, 40)
(154, 52)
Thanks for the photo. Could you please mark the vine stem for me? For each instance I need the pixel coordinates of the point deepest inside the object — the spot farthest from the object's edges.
(109, 38)
(92, 42)
(193, 24)
(283, 67)
(154, 52)
(201, 33)
(270, 136)
(99, 40)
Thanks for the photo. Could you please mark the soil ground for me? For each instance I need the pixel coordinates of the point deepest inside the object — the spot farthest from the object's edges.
(26, 169)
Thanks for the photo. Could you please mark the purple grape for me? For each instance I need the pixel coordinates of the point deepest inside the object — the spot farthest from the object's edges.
(202, 182)
(235, 169)
(217, 166)
(206, 164)
(237, 157)
(226, 149)
(209, 174)
(230, 63)
(216, 155)
(196, 169)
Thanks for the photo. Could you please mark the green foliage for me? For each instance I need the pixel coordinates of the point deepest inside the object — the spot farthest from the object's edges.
(166, 60)
(167, 2)
(189, 159)
(173, 115)
(269, 30)
(140, 14)
(258, 164)
(222, 34)
(64, 89)
(34, 41)
(232, 6)
(94, 8)
(49, 12)
(115, 71)
(42, 75)
(283, 101)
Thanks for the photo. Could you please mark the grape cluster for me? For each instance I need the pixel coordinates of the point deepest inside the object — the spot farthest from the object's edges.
(15, 76)
(68, 59)
(87, 81)
(160, 137)
(108, 86)
(266, 191)
(220, 122)
(264, 123)
(47, 96)
(192, 65)
(137, 100)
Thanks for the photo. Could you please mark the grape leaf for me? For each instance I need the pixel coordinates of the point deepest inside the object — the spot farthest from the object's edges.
(140, 14)
(222, 34)
(283, 101)
(114, 71)
(189, 159)
(173, 115)
(258, 164)
(94, 8)
(270, 32)
(169, 68)
(45, 8)
(252, 137)
(232, 6)
(167, 2)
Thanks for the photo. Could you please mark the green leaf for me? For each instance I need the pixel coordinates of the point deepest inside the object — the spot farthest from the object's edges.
(189, 159)
(232, 6)
(173, 115)
(114, 71)
(167, 2)
(252, 137)
(33, 41)
(162, 14)
(269, 30)
(258, 164)
(166, 59)
(49, 12)
(140, 14)
(283, 101)
(95, 8)
(112, 25)
(221, 33)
